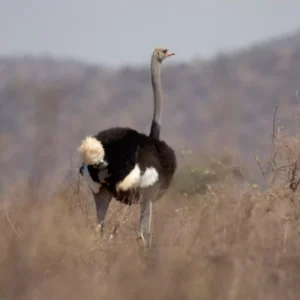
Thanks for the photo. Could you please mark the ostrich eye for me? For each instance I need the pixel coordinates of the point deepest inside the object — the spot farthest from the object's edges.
(165, 51)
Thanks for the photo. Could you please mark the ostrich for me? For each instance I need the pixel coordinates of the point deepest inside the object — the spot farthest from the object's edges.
(129, 166)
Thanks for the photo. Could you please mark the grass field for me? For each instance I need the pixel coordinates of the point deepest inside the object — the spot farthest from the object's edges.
(225, 241)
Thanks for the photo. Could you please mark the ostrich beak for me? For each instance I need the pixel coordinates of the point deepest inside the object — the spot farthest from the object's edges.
(169, 53)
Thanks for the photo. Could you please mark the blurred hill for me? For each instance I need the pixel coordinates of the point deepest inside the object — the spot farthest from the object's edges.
(209, 105)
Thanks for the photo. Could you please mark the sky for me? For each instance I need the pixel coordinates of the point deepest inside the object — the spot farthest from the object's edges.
(121, 32)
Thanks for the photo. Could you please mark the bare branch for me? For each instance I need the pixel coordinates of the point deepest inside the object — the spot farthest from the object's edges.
(274, 122)
(9, 220)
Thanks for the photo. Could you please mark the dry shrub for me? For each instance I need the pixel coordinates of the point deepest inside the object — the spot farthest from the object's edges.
(281, 165)
(197, 174)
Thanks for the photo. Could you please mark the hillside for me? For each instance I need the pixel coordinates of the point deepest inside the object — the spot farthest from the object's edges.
(209, 105)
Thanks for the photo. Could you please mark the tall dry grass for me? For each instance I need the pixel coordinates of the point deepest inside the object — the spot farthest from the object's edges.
(224, 240)
(223, 244)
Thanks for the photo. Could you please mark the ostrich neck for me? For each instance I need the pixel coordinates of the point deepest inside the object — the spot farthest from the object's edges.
(157, 90)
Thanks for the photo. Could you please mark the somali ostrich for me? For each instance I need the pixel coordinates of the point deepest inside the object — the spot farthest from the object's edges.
(129, 166)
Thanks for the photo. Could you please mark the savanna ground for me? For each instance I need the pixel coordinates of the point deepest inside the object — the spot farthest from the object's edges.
(216, 236)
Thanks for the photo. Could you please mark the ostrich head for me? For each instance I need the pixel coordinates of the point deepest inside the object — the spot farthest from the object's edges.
(162, 53)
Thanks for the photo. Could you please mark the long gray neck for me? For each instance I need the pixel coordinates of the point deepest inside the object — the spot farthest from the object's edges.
(157, 95)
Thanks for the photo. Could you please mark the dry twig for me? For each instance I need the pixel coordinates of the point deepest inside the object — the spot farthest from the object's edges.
(9, 220)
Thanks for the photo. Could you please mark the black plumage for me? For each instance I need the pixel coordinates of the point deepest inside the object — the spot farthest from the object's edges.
(124, 148)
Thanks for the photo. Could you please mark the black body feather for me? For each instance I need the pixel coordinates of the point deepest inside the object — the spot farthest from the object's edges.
(124, 148)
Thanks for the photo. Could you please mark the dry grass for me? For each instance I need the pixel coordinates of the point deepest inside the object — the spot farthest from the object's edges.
(225, 240)
(223, 244)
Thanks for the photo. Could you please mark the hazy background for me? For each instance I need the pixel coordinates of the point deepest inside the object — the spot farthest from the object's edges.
(71, 68)
(76, 67)
(124, 32)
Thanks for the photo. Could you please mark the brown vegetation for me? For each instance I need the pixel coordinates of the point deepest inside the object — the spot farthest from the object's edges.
(230, 242)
